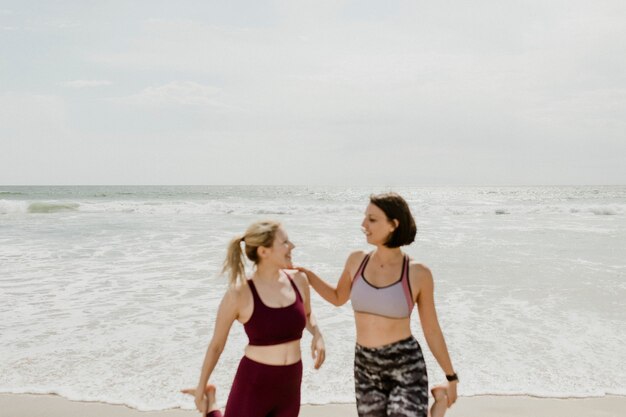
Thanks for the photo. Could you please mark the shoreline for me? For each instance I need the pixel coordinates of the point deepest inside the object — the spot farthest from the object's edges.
(48, 405)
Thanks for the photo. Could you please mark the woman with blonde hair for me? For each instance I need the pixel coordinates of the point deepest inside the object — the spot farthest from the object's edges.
(274, 308)
(384, 286)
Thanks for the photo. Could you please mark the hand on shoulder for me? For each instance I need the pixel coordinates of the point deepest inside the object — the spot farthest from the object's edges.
(298, 276)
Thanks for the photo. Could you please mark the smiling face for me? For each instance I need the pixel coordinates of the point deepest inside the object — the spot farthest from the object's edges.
(280, 251)
(376, 226)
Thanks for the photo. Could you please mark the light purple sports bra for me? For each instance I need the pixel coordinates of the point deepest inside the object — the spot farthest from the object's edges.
(394, 300)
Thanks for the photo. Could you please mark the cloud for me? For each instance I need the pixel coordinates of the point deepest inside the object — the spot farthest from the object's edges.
(176, 93)
(364, 80)
(87, 83)
(429, 88)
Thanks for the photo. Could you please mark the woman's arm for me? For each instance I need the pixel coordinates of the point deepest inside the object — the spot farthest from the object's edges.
(340, 294)
(318, 349)
(226, 314)
(430, 326)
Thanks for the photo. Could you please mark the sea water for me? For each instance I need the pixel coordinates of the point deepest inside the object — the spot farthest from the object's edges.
(110, 293)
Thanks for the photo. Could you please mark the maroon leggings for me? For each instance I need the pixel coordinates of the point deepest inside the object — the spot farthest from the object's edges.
(261, 390)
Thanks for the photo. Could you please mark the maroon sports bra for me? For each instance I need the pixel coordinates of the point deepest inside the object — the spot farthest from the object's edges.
(275, 325)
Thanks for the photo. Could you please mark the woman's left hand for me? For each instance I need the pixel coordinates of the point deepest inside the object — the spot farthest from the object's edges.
(318, 350)
(451, 393)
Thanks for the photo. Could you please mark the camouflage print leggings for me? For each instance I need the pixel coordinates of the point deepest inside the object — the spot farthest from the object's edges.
(391, 380)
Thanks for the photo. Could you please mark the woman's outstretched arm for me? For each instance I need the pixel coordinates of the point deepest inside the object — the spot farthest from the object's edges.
(430, 325)
(340, 294)
(226, 314)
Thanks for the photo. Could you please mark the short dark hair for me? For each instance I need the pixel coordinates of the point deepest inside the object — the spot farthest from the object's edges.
(396, 208)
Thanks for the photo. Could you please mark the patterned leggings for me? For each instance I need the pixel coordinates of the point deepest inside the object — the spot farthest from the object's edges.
(391, 380)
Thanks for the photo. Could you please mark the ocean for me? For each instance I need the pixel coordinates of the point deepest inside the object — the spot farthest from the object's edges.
(110, 293)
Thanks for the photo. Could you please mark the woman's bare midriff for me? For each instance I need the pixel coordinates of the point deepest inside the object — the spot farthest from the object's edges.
(283, 354)
(376, 331)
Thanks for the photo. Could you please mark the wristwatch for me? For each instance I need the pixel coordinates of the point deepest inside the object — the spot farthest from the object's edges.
(453, 377)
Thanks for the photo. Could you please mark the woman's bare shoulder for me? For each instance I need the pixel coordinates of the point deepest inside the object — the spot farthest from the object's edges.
(356, 257)
(298, 277)
(238, 293)
(419, 271)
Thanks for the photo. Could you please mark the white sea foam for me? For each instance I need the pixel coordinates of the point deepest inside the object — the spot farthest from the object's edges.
(13, 206)
(271, 207)
(123, 286)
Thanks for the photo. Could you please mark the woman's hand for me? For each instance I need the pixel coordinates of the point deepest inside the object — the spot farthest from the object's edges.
(338, 294)
(201, 401)
(451, 392)
(209, 398)
(318, 350)
(305, 272)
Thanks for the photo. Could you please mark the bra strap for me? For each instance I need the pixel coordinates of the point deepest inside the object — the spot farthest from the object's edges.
(406, 284)
(255, 294)
(361, 268)
(294, 286)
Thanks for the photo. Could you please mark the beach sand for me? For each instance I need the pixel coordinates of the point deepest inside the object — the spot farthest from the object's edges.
(25, 405)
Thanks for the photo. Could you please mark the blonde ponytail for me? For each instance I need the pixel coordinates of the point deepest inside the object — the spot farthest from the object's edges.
(234, 261)
(258, 234)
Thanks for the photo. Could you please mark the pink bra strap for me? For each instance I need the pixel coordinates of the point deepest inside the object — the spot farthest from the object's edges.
(406, 285)
(361, 268)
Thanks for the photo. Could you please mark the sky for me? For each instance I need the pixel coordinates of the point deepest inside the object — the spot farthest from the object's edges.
(313, 92)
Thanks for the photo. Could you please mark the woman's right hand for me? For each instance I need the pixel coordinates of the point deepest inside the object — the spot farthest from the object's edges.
(306, 272)
(451, 393)
(201, 401)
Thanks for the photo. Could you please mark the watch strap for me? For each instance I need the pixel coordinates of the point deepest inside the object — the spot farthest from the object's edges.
(452, 377)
